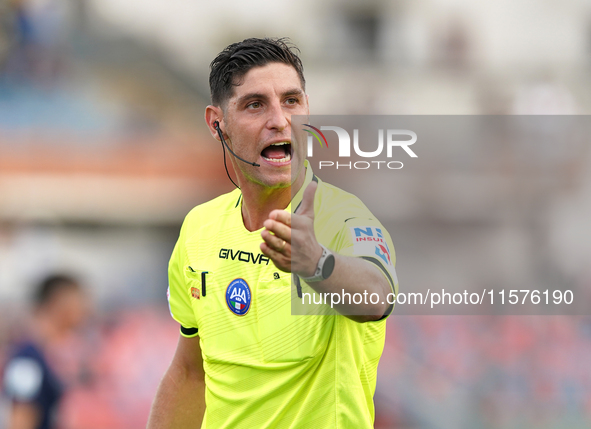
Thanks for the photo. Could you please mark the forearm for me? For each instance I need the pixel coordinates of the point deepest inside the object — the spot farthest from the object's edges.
(290, 242)
(353, 275)
(179, 401)
(23, 416)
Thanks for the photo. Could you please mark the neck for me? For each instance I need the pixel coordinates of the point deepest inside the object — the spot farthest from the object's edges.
(259, 201)
(257, 204)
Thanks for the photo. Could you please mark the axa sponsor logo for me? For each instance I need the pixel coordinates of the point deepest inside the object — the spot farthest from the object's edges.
(242, 256)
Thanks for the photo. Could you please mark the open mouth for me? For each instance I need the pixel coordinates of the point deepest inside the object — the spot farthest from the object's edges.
(277, 152)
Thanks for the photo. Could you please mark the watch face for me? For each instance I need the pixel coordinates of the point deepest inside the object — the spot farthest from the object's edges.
(328, 266)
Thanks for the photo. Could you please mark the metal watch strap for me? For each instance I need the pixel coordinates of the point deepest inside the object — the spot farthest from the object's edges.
(318, 273)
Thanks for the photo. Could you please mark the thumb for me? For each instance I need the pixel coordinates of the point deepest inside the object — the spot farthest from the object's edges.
(307, 206)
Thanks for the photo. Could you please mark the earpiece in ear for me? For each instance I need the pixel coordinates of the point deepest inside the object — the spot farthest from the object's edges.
(225, 146)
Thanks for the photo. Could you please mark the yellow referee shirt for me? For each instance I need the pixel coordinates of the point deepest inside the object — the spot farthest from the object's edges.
(264, 367)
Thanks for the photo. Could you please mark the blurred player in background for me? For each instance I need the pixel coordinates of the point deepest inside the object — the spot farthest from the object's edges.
(29, 380)
(243, 360)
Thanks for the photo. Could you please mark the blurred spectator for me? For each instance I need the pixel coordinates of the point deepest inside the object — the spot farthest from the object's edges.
(32, 40)
(30, 380)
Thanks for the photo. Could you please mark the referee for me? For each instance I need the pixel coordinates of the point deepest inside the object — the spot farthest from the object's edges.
(243, 360)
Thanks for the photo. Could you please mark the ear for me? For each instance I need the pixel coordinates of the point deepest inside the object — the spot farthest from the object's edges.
(212, 114)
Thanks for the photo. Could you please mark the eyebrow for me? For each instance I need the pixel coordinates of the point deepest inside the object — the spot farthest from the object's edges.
(255, 95)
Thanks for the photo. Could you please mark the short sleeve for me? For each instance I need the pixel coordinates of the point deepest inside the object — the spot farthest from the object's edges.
(179, 295)
(365, 237)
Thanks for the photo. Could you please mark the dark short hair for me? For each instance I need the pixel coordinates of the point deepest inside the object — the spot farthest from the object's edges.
(238, 58)
(51, 285)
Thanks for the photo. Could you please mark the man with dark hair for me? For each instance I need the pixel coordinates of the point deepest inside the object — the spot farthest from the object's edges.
(29, 381)
(233, 62)
(243, 360)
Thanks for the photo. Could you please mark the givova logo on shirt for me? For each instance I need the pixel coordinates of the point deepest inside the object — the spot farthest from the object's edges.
(238, 297)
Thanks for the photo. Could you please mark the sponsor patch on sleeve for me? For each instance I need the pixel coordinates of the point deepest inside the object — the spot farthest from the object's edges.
(370, 241)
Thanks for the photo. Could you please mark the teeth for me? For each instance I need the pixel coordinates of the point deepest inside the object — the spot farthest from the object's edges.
(279, 160)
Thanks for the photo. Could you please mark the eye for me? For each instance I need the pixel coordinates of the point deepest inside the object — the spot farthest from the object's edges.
(292, 100)
(253, 105)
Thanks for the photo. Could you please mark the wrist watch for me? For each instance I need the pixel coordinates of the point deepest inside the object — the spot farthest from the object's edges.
(324, 268)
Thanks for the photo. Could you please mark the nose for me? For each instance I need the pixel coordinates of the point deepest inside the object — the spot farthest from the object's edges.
(278, 119)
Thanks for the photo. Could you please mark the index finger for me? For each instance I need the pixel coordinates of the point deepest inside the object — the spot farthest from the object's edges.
(282, 216)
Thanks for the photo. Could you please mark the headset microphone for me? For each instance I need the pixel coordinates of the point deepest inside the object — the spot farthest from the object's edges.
(216, 125)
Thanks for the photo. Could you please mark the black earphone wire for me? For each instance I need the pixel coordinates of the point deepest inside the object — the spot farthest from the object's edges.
(216, 125)
(226, 166)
